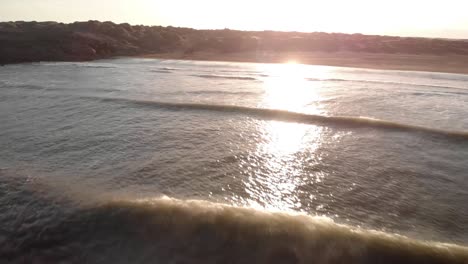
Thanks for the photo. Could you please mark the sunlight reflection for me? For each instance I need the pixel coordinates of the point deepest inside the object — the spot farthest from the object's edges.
(288, 148)
(284, 138)
(288, 87)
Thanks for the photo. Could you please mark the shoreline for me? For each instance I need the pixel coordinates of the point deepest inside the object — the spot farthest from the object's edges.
(452, 64)
(455, 64)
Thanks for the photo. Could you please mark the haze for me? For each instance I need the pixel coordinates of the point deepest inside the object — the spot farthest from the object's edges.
(445, 19)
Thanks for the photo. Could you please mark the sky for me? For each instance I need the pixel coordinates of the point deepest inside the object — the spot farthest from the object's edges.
(425, 18)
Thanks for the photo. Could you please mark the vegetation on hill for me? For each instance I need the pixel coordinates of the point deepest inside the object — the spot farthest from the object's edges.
(51, 41)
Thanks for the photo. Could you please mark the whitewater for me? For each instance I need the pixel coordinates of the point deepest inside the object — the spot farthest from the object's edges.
(134, 160)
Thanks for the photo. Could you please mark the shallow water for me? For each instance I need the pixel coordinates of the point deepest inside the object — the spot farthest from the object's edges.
(369, 149)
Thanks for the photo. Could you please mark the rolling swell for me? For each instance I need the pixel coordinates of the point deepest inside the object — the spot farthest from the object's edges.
(283, 115)
(208, 76)
(97, 66)
(59, 88)
(204, 92)
(168, 69)
(74, 64)
(166, 230)
(161, 71)
(22, 86)
(383, 82)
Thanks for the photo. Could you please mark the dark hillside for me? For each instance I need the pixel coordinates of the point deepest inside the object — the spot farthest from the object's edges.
(51, 41)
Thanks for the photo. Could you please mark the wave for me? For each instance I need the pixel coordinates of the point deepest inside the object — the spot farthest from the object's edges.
(264, 75)
(283, 115)
(329, 80)
(224, 77)
(216, 92)
(166, 230)
(76, 64)
(247, 72)
(41, 88)
(21, 86)
(161, 71)
(440, 93)
(96, 66)
(240, 70)
(381, 82)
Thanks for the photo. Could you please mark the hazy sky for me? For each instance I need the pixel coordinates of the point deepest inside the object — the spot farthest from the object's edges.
(433, 18)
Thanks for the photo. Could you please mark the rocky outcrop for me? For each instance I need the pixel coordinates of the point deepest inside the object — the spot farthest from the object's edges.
(51, 41)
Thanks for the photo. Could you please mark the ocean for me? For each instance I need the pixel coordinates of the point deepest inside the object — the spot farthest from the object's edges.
(134, 160)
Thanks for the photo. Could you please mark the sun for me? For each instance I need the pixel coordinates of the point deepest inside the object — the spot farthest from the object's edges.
(292, 61)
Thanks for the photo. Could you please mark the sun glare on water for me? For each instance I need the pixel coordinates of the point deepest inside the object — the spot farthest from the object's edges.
(287, 88)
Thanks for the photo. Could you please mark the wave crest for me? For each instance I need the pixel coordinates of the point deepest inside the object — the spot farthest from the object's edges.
(208, 76)
(383, 82)
(167, 230)
(161, 71)
(283, 115)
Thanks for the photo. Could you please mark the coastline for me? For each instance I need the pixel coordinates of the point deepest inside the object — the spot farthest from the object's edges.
(93, 40)
(457, 64)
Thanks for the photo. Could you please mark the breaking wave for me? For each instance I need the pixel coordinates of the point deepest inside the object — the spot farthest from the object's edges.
(166, 230)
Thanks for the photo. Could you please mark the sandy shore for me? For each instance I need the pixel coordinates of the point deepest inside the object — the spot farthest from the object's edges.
(429, 63)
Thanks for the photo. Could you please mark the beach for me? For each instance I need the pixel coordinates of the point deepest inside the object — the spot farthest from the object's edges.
(385, 61)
